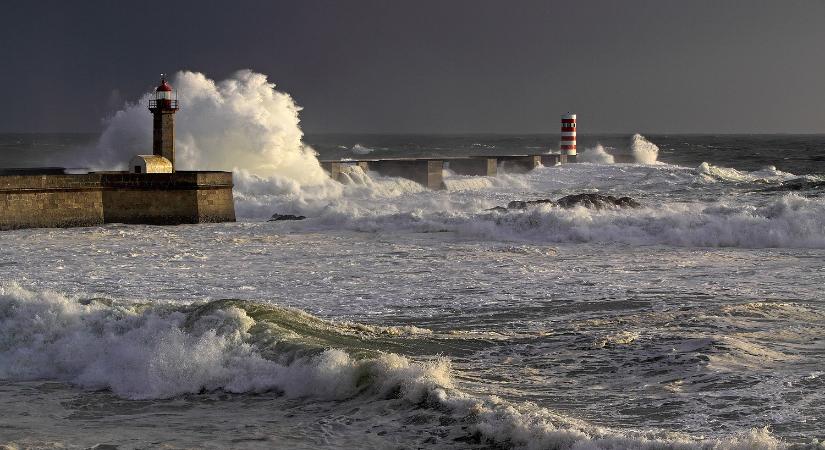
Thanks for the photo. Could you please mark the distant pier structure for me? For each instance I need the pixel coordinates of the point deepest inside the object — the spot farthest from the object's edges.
(428, 171)
(152, 191)
(567, 144)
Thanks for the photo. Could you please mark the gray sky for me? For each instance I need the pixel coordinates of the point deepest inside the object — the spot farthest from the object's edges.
(443, 66)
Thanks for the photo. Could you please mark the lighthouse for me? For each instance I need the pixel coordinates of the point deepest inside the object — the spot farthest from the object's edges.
(567, 144)
(163, 108)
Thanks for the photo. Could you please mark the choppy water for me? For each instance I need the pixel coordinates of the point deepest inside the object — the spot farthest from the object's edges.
(396, 317)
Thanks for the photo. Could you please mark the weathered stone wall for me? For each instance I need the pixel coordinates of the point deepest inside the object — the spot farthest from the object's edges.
(32, 201)
(93, 199)
(215, 205)
(214, 196)
(156, 207)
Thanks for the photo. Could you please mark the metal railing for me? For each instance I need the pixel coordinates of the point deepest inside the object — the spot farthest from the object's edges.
(163, 103)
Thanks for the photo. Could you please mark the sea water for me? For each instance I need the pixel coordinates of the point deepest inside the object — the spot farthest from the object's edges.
(399, 317)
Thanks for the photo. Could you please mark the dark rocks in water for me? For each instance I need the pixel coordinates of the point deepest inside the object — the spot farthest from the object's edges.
(798, 184)
(276, 217)
(596, 201)
(592, 201)
(520, 204)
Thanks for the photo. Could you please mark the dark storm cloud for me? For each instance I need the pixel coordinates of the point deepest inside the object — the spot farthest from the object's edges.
(433, 66)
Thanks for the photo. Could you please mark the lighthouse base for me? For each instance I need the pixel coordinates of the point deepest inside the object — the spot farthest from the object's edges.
(52, 200)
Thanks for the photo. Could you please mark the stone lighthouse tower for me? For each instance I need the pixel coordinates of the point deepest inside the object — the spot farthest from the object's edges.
(163, 108)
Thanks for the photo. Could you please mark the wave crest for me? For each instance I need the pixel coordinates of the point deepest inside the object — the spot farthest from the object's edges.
(163, 350)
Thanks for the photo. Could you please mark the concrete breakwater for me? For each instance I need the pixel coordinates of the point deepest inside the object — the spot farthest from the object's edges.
(428, 171)
(61, 200)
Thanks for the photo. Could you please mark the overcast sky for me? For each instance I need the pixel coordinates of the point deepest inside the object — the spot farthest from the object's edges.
(442, 66)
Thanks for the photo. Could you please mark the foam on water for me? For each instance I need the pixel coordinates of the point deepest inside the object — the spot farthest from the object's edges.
(596, 155)
(163, 350)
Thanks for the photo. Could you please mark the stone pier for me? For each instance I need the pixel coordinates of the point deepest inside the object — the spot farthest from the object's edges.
(428, 171)
(51, 200)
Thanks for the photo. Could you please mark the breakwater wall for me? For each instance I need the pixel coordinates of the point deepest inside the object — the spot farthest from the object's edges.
(428, 171)
(57, 200)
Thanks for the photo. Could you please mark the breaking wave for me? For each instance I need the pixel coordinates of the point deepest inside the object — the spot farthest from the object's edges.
(596, 155)
(241, 124)
(790, 221)
(712, 173)
(165, 350)
(644, 151)
(359, 149)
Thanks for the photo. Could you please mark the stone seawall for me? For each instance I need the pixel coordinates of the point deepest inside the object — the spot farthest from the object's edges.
(30, 201)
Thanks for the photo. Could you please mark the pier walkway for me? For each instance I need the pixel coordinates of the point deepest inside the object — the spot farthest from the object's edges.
(428, 171)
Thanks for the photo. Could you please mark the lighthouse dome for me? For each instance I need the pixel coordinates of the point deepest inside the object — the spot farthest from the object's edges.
(164, 86)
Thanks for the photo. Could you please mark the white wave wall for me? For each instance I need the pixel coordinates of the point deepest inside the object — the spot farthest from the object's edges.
(241, 124)
(644, 151)
(596, 155)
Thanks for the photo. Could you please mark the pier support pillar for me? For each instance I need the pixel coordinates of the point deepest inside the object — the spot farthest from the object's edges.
(426, 172)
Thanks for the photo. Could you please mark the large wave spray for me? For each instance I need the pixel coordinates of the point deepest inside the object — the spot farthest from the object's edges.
(644, 151)
(596, 155)
(241, 124)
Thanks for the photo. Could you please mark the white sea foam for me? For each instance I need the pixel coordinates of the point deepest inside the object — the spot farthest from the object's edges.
(160, 351)
(359, 149)
(596, 155)
(643, 151)
(711, 173)
(788, 221)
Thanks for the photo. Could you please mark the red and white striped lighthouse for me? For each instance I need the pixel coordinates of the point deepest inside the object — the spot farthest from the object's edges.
(567, 145)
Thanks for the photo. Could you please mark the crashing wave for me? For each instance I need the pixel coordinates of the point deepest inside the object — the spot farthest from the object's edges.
(359, 149)
(644, 151)
(787, 222)
(596, 155)
(165, 350)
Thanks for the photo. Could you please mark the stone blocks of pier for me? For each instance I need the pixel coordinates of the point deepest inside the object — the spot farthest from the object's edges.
(333, 169)
(36, 201)
(481, 167)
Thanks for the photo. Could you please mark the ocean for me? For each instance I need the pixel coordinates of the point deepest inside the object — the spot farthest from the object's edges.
(399, 317)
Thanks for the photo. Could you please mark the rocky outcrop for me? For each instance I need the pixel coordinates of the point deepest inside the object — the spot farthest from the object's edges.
(596, 201)
(521, 204)
(277, 217)
(591, 201)
(798, 184)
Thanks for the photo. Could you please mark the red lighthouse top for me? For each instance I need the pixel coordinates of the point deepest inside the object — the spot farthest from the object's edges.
(163, 100)
(164, 86)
